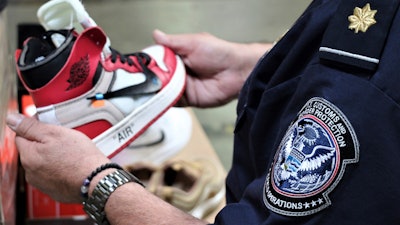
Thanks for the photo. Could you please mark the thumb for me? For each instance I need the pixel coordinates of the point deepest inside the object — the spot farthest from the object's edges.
(160, 37)
(177, 43)
(13, 120)
(23, 126)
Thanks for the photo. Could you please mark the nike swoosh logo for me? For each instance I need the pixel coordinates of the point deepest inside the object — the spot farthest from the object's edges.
(151, 85)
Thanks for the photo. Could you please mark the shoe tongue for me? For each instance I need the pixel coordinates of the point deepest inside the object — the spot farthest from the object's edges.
(68, 14)
(106, 50)
(64, 14)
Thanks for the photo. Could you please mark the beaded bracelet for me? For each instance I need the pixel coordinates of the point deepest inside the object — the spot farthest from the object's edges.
(86, 182)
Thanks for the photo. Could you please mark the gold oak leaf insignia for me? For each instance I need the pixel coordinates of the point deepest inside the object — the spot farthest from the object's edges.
(362, 19)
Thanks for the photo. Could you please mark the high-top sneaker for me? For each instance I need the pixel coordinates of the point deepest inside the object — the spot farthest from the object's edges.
(111, 99)
(160, 141)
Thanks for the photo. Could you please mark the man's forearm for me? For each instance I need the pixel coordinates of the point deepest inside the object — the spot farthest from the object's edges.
(132, 204)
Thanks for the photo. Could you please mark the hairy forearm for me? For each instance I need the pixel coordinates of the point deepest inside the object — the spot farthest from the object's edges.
(132, 204)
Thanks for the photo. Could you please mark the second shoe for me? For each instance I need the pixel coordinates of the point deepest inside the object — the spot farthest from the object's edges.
(195, 186)
(112, 99)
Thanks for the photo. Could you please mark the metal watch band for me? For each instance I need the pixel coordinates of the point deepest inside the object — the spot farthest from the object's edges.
(94, 205)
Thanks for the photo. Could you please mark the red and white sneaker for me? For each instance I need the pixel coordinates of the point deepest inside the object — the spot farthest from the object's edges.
(111, 99)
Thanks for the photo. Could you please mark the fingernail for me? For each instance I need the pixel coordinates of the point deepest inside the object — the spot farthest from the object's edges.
(13, 120)
(159, 32)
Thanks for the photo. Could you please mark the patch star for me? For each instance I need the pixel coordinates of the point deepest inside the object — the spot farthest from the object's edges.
(313, 203)
(362, 19)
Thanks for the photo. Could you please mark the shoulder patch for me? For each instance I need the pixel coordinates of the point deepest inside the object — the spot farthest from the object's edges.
(311, 160)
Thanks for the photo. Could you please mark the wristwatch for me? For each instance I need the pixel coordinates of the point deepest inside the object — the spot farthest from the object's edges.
(94, 205)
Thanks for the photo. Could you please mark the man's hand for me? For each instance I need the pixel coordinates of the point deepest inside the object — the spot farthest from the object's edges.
(216, 68)
(56, 159)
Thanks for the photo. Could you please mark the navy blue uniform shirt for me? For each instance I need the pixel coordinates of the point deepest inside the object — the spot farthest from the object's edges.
(317, 139)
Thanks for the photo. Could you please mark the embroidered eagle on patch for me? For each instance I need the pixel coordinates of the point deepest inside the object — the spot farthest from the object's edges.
(310, 160)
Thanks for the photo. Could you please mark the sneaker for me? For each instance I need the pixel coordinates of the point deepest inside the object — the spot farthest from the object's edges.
(111, 99)
(161, 141)
(195, 186)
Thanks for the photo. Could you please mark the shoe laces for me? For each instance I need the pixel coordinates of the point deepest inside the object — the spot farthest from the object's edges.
(142, 58)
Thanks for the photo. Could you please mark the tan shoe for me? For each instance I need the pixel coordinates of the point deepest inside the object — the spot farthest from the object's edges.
(196, 187)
